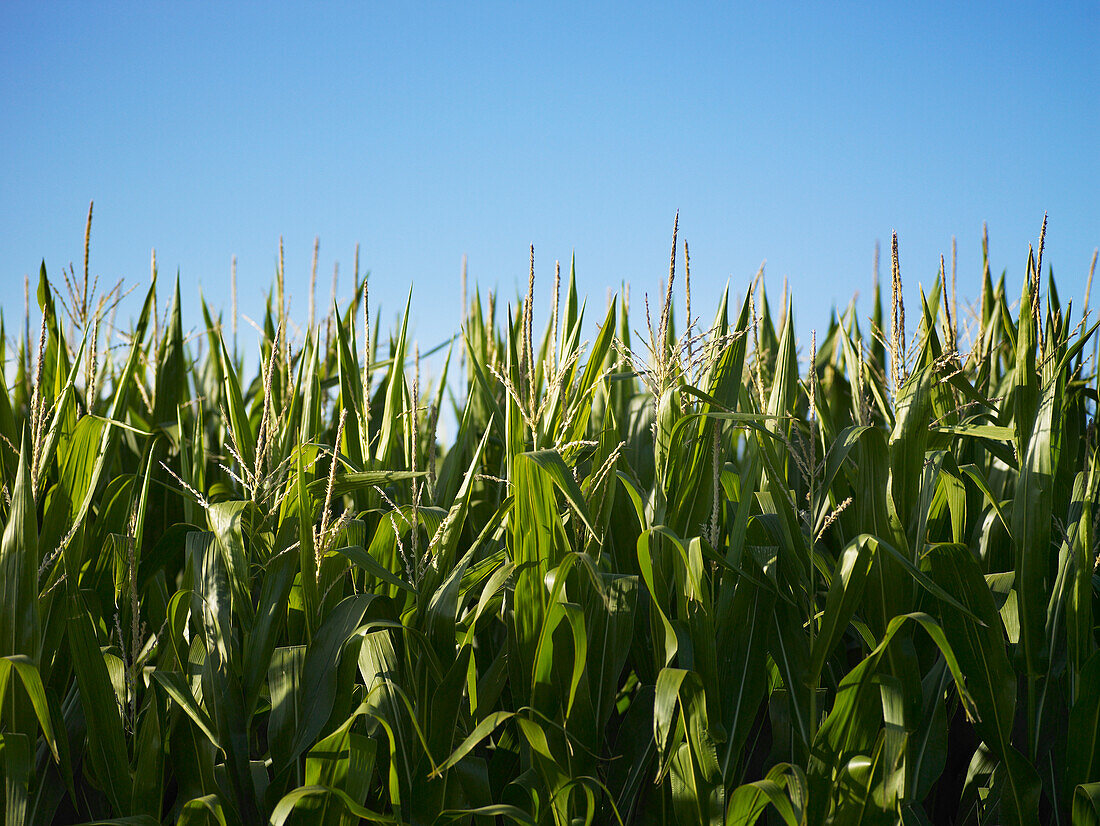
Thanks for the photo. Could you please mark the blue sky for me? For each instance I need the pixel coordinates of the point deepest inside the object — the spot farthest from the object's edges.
(796, 133)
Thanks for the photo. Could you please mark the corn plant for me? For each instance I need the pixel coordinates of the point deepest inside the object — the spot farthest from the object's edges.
(697, 575)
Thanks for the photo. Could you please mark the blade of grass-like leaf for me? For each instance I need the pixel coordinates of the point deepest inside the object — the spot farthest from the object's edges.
(1079, 604)
(907, 447)
(922, 579)
(697, 792)
(995, 433)
(307, 554)
(844, 595)
(222, 692)
(636, 498)
(32, 684)
(243, 438)
(611, 617)
(15, 757)
(268, 625)
(172, 375)
(150, 755)
(322, 657)
(393, 407)
(650, 573)
(441, 610)
(176, 687)
(513, 813)
(976, 474)
(1086, 805)
(372, 566)
(859, 792)
(63, 419)
(981, 651)
(749, 801)
(20, 631)
(553, 465)
(840, 450)
(586, 386)
(853, 725)
(226, 522)
(444, 543)
(352, 481)
(290, 801)
(550, 659)
(106, 744)
(483, 729)
(784, 387)
(284, 680)
(790, 649)
(201, 810)
(351, 393)
(742, 648)
(71, 497)
(1083, 746)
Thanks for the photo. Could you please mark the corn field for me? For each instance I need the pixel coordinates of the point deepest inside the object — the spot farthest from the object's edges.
(691, 573)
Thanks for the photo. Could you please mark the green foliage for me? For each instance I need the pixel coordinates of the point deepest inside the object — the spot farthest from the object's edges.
(713, 578)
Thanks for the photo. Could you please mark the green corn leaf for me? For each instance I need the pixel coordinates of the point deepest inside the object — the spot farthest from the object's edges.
(284, 681)
(319, 669)
(851, 730)
(176, 687)
(372, 566)
(106, 749)
(743, 626)
(351, 394)
(15, 757)
(551, 463)
(243, 438)
(172, 376)
(981, 652)
(394, 404)
(1086, 804)
(1083, 747)
(483, 729)
(513, 813)
(844, 595)
(200, 811)
(31, 680)
(302, 798)
(749, 801)
(20, 630)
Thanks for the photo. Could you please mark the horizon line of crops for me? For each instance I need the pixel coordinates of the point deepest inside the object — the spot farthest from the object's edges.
(669, 577)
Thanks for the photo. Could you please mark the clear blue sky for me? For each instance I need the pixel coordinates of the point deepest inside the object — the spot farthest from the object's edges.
(799, 133)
